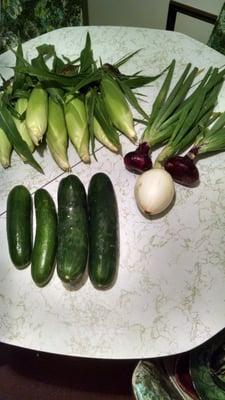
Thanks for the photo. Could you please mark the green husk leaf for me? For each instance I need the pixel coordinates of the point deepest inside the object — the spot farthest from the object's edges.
(104, 120)
(131, 98)
(126, 58)
(45, 52)
(56, 135)
(90, 100)
(87, 62)
(9, 127)
(140, 81)
(57, 64)
(19, 77)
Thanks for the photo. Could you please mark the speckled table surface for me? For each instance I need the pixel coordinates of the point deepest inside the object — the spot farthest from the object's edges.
(172, 269)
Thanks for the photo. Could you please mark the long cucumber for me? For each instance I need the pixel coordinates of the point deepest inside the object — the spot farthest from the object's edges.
(45, 244)
(72, 251)
(19, 226)
(103, 231)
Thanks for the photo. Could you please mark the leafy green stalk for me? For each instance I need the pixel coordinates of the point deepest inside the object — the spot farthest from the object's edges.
(187, 122)
(90, 100)
(104, 130)
(161, 97)
(211, 139)
(8, 125)
(131, 98)
(87, 63)
(171, 104)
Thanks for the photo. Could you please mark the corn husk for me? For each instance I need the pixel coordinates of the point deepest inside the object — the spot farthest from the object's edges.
(56, 135)
(77, 126)
(37, 114)
(102, 137)
(117, 107)
(21, 106)
(5, 150)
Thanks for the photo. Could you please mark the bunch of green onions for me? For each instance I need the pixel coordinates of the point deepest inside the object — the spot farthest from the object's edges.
(177, 120)
(210, 139)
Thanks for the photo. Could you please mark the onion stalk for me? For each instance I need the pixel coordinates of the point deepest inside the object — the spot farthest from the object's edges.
(209, 140)
(193, 118)
(164, 107)
(176, 121)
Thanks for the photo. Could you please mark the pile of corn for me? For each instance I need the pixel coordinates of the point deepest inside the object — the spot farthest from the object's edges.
(44, 116)
(68, 102)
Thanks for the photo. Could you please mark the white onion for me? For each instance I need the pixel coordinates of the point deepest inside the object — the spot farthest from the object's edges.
(154, 191)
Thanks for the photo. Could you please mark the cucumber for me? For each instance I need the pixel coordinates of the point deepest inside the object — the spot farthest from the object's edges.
(45, 243)
(103, 231)
(19, 226)
(72, 251)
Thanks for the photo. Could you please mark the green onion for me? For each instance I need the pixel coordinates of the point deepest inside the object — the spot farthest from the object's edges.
(194, 116)
(165, 109)
(210, 139)
(183, 168)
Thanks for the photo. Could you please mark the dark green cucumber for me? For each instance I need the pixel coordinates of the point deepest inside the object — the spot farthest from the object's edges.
(103, 231)
(72, 230)
(45, 243)
(19, 226)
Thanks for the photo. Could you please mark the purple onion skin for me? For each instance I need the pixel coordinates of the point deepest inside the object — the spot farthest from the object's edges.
(138, 161)
(183, 170)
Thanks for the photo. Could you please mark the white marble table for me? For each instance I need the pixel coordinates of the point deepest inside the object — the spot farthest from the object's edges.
(170, 293)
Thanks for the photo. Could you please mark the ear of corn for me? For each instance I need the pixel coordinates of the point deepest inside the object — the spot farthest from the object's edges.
(37, 114)
(118, 107)
(77, 126)
(5, 150)
(56, 135)
(102, 137)
(21, 106)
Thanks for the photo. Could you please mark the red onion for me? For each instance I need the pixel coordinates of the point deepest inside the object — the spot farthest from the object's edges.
(138, 161)
(183, 170)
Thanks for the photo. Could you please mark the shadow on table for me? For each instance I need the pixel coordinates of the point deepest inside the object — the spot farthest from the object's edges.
(27, 374)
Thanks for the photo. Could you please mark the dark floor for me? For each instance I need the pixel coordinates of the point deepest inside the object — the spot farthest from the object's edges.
(25, 374)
